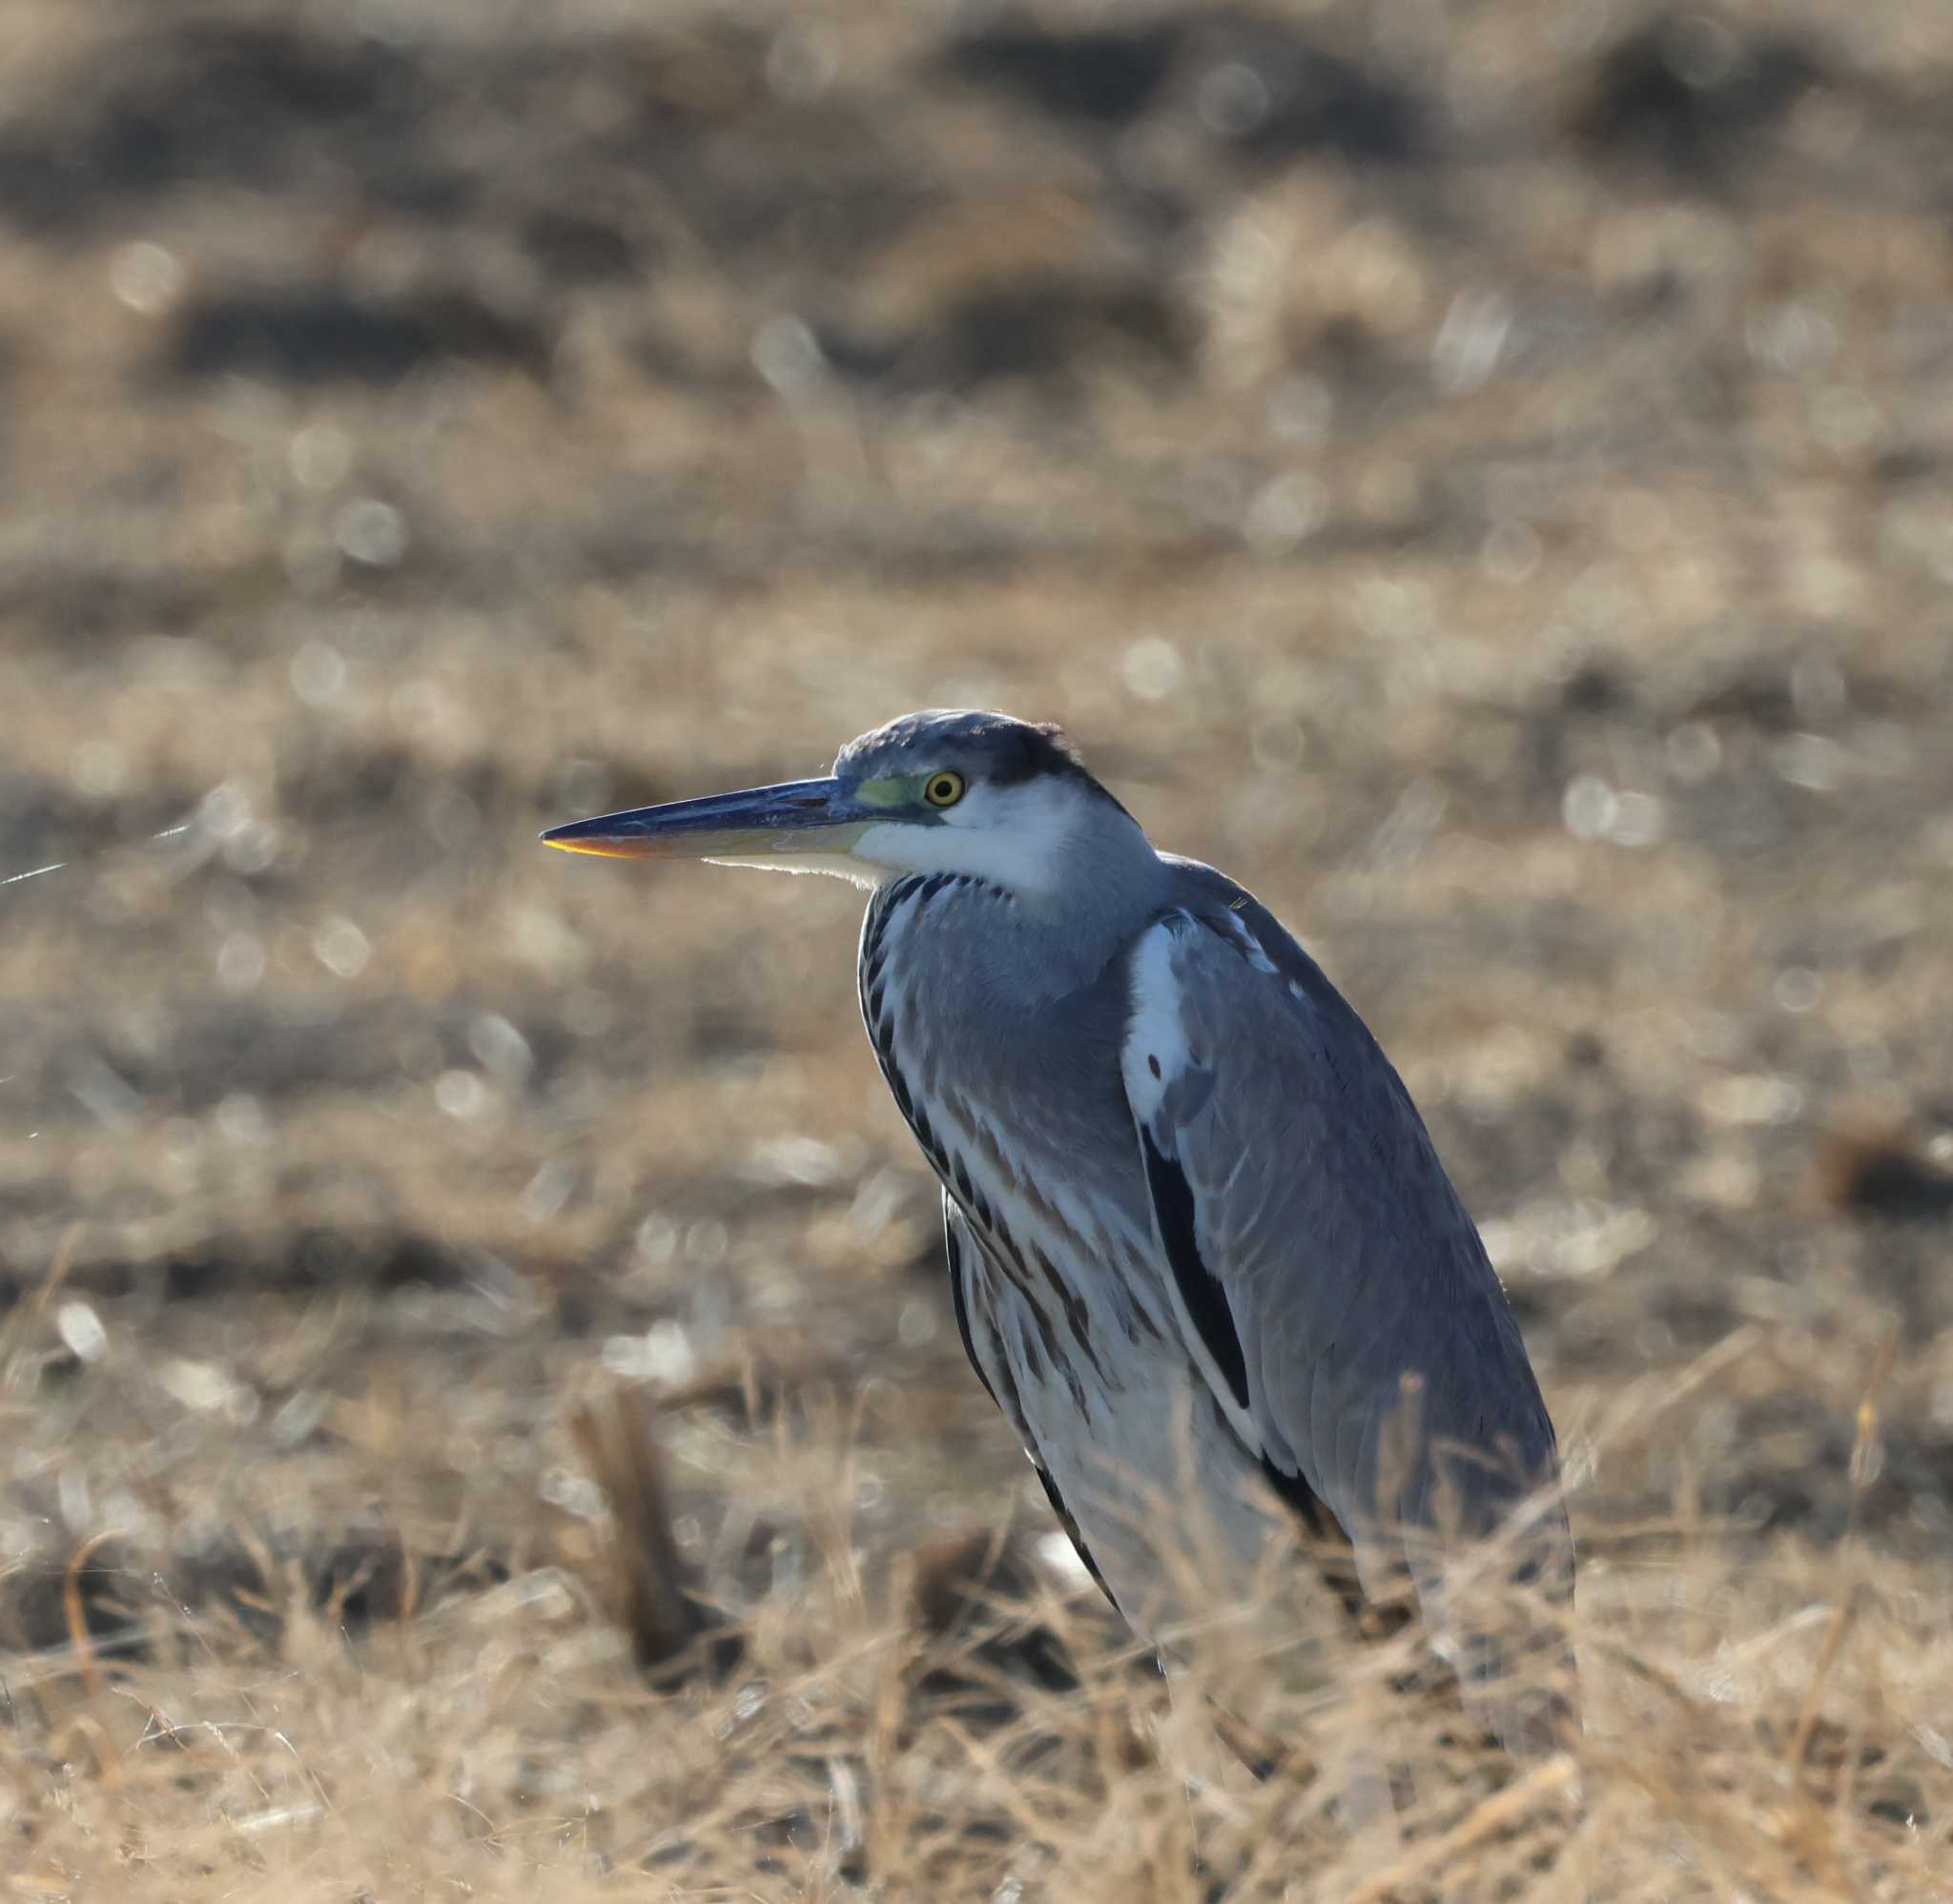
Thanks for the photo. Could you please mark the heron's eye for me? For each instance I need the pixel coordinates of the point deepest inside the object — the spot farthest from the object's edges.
(944, 788)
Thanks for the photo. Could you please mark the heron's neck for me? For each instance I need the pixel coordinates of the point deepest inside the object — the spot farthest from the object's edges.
(984, 953)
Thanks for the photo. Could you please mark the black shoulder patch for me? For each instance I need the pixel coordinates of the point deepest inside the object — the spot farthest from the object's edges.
(1206, 1302)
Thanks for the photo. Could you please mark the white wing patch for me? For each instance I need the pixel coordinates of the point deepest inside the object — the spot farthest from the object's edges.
(1158, 1054)
(1156, 1040)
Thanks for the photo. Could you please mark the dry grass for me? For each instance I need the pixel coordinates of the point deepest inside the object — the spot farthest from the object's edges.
(480, 1409)
(1762, 1723)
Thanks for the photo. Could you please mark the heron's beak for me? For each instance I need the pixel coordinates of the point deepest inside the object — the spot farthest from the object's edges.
(797, 816)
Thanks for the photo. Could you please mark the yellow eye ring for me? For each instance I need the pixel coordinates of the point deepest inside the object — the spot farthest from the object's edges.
(944, 788)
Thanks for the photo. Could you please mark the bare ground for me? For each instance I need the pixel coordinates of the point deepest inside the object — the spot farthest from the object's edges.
(1481, 475)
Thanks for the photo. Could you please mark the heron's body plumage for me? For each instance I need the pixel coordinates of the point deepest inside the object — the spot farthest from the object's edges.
(1196, 1061)
(1199, 1237)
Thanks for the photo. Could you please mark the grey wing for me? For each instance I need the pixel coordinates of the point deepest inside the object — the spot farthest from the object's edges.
(1334, 1289)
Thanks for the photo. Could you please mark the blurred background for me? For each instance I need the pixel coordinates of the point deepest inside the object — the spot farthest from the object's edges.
(1480, 473)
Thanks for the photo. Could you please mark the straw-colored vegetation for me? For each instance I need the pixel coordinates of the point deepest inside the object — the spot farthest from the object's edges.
(481, 1412)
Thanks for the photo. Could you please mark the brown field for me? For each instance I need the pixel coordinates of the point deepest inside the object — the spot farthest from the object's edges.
(1481, 473)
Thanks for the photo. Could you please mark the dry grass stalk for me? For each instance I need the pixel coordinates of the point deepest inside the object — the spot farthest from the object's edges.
(617, 1435)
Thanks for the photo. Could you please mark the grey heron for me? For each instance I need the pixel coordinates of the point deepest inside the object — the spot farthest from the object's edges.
(1197, 1231)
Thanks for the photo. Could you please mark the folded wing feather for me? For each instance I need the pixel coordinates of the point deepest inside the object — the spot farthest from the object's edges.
(1331, 1286)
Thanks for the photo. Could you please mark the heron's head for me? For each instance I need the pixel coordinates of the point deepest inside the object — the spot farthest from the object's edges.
(944, 791)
